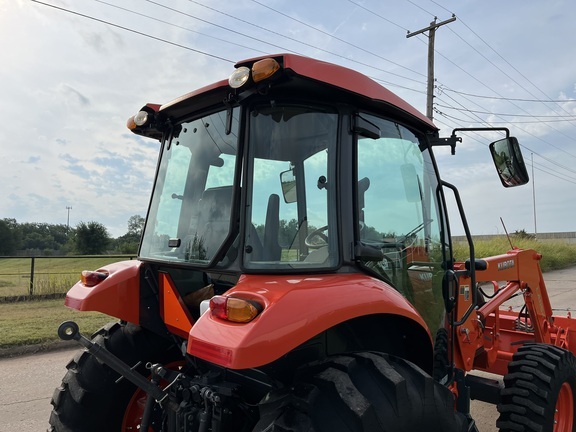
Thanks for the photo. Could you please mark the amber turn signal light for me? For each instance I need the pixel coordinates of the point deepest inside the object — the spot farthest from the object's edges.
(263, 69)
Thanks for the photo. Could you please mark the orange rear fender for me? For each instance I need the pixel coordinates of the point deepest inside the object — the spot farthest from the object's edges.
(296, 308)
(118, 295)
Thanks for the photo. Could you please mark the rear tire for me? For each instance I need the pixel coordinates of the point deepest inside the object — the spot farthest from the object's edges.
(90, 398)
(359, 393)
(539, 392)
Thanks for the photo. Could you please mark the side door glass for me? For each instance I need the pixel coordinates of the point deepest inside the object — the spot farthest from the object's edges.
(398, 214)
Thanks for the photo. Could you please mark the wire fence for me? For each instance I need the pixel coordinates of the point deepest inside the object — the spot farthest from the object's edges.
(31, 277)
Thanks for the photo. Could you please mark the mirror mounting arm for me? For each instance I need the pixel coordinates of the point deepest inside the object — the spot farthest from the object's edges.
(486, 129)
(453, 139)
(449, 141)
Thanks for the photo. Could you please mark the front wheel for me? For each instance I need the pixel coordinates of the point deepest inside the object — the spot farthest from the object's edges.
(539, 391)
(363, 392)
(92, 398)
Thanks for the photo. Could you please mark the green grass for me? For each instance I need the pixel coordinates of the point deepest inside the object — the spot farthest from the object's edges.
(52, 275)
(35, 322)
(555, 254)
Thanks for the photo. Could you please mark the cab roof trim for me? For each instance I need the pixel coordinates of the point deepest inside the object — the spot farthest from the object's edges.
(329, 73)
(350, 80)
(205, 89)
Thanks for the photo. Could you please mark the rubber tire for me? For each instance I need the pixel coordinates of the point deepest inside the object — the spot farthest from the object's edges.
(441, 365)
(363, 392)
(535, 376)
(89, 398)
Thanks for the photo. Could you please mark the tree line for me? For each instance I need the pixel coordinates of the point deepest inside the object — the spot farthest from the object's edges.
(86, 238)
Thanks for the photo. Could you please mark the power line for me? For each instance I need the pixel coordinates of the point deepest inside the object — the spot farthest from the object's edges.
(563, 117)
(275, 32)
(379, 16)
(522, 109)
(506, 74)
(340, 39)
(540, 167)
(556, 164)
(391, 84)
(445, 88)
(133, 31)
(177, 26)
(547, 100)
(509, 64)
(439, 5)
(220, 26)
(473, 112)
(508, 99)
(482, 121)
(421, 8)
(529, 133)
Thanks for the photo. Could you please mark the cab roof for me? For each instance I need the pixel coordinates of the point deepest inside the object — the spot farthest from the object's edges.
(312, 69)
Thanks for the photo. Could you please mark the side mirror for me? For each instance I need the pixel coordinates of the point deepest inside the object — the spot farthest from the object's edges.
(288, 183)
(509, 162)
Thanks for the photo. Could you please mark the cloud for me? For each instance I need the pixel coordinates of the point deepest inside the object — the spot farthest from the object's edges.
(33, 159)
(76, 167)
(73, 96)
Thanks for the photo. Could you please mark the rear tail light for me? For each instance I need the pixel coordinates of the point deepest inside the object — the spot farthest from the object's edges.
(93, 278)
(234, 309)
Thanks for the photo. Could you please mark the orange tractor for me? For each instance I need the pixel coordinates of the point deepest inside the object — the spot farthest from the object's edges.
(296, 273)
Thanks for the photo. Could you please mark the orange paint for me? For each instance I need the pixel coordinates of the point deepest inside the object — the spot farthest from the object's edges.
(296, 308)
(173, 311)
(118, 295)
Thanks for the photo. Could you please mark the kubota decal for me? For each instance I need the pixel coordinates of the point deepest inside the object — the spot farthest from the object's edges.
(505, 265)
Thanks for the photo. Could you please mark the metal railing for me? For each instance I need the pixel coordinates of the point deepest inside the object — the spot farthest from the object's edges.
(47, 275)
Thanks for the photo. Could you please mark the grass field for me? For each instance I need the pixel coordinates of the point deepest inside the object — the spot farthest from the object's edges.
(52, 275)
(36, 321)
(555, 254)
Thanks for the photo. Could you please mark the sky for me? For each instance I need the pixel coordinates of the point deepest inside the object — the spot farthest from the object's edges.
(69, 81)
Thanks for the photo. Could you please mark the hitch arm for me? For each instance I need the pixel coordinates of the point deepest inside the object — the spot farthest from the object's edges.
(69, 330)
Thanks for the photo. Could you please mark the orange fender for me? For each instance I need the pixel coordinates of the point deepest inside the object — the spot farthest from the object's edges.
(118, 295)
(296, 308)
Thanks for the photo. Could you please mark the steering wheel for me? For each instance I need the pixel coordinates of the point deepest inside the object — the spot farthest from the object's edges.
(309, 240)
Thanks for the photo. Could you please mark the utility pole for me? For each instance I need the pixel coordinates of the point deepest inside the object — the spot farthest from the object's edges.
(534, 195)
(431, 29)
(68, 219)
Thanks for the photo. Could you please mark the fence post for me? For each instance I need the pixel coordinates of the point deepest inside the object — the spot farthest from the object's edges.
(31, 276)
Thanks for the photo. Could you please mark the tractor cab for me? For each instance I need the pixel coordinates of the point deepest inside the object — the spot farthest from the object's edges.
(292, 174)
(299, 166)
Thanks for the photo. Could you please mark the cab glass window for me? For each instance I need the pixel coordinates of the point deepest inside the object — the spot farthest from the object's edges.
(290, 204)
(398, 219)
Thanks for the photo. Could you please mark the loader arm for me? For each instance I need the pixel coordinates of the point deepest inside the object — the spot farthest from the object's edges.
(489, 338)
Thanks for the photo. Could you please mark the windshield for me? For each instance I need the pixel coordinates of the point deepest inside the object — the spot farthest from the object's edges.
(189, 218)
(290, 202)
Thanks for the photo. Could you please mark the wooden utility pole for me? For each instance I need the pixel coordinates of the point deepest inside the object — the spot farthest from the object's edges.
(431, 29)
